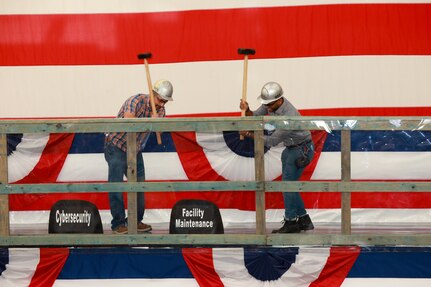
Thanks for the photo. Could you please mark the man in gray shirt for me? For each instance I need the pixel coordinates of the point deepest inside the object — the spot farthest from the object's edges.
(298, 152)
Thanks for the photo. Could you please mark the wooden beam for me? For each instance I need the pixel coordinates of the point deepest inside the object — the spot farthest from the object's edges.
(4, 198)
(180, 186)
(131, 177)
(214, 124)
(346, 212)
(131, 125)
(204, 186)
(259, 171)
(351, 186)
(194, 240)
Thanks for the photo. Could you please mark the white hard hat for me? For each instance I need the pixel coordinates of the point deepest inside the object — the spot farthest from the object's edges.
(271, 92)
(164, 89)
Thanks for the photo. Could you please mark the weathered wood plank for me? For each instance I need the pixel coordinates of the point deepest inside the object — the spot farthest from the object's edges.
(351, 123)
(147, 239)
(4, 198)
(144, 239)
(214, 124)
(259, 171)
(131, 177)
(130, 186)
(346, 212)
(350, 239)
(359, 186)
(131, 125)
(270, 186)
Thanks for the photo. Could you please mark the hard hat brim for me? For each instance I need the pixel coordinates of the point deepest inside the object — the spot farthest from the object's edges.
(265, 102)
(164, 98)
(167, 99)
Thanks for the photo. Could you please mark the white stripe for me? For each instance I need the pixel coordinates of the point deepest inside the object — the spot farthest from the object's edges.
(167, 165)
(376, 166)
(386, 282)
(372, 218)
(124, 6)
(177, 282)
(230, 266)
(93, 167)
(27, 154)
(21, 267)
(310, 83)
(163, 166)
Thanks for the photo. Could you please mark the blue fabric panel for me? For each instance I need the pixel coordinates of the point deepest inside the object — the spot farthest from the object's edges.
(93, 143)
(392, 262)
(269, 263)
(381, 141)
(110, 263)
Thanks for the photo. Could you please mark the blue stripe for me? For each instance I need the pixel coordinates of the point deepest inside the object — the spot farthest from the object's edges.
(381, 141)
(94, 142)
(392, 262)
(4, 259)
(117, 263)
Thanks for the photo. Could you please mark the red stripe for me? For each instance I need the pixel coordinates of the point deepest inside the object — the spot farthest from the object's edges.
(192, 156)
(44, 201)
(338, 265)
(51, 161)
(371, 112)
(51, 262)
(46, 171)
(201, 264)
(197, 168)
(209, 35)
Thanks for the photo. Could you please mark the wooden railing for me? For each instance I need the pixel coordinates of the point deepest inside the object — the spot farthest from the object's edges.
(260, 186)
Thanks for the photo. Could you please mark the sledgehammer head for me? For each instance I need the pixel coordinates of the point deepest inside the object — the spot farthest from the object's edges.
(246, 51)
(144, 56)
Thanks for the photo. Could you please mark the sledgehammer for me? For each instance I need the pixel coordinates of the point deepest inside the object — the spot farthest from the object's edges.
(145, 56)
(245, 52)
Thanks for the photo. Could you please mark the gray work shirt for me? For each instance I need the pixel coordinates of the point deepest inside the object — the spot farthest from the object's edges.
(288, 137)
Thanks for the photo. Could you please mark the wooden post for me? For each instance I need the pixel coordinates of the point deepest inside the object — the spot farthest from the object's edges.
(132, 206)
(4, 198)
(346, 216)
(259, 171)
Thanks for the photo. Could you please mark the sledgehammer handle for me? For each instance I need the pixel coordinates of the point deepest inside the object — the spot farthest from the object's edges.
(150, 88)
(244, 89)
(245, 52)
(244, 84)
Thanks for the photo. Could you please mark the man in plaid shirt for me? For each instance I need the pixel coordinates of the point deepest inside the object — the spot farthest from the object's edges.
(138, 106)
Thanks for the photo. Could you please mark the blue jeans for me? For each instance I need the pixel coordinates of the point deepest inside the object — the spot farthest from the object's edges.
(117, 169)
(293, 203)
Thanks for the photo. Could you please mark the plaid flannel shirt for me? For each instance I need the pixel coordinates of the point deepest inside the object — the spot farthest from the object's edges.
(140, 106)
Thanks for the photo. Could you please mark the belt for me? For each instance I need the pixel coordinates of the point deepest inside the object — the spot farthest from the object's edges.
(299, 145)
